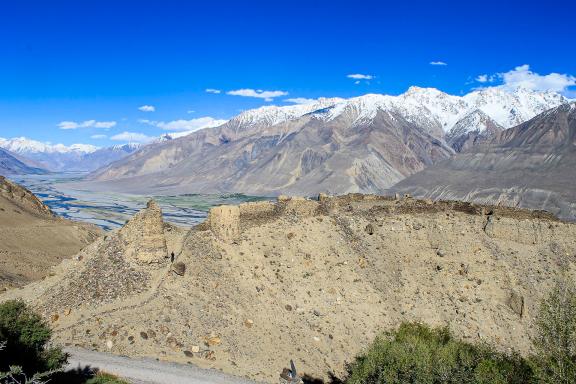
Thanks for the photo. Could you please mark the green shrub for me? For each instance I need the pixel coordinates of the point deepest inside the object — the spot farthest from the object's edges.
(105, 378)
(24, 336)
(416, 353)
(555, 361)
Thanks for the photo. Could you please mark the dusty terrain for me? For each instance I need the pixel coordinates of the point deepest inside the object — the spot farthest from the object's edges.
(32, 239)
(147, 370)
(314, 281)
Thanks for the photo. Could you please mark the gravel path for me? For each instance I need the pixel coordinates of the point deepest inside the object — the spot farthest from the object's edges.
(149, 371)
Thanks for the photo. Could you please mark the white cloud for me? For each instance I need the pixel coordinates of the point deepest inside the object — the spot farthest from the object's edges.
(186, 125)
(300, 100)
(438, 63)
(190, 111)
(486, 78)
(147, 108)
(212, 90)
(86, 124)
(98, 136)
(523, 77)
(258, 93)
(132, 137)
(359, 76)
(482, 78)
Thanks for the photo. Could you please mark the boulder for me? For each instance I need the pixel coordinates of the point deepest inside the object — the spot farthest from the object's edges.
(179, 268)
(516, 303)
(369, 229)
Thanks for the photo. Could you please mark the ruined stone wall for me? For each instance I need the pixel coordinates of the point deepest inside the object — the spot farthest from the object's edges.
(224, 222)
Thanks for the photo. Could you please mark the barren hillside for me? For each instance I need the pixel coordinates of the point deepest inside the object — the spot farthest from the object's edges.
(32, 239)
(314, 281)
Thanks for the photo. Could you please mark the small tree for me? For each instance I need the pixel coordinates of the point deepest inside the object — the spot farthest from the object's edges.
(417, 354)
(556, 335)
(24, 356)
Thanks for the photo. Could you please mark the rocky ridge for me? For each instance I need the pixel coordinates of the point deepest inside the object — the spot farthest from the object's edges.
(314, 281)
(22, 197)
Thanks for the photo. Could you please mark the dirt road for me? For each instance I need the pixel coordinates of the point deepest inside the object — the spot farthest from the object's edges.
(149, 371)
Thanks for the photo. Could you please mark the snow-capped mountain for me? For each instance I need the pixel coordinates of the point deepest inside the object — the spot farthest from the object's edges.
(473, 128)
(361, 144)
(23, 145)
(59, 157)
(364, 143)
(437, 112)
(128, 147)
(531, 165)
(272, 115)
(440, 113)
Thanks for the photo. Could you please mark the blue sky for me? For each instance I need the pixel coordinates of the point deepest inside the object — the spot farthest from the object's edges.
(92, 64)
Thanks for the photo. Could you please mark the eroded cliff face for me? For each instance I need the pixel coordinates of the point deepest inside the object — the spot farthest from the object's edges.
(314, 281)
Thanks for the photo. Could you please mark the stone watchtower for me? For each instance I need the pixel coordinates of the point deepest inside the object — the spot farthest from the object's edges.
(144, 236)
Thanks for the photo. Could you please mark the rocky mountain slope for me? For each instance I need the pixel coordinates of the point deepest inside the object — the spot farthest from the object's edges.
(59, 157)
(532, 165)
(473, 129)
(313, 281)
(295, 157)
(12, 164)
(32, 239)
(363, 144)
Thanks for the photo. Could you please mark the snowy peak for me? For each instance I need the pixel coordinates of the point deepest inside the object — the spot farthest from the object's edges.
(23, 145)
(441, 114)
(432, 110)
(473, 128)
(272, 115)
(510, 108)
(476, 121)
(129, 147)
(357, 109)
(59, 157)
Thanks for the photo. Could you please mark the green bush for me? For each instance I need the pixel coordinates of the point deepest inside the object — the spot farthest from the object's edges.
(555, 361)
(24, 336)
(105, 378)
(416, 353)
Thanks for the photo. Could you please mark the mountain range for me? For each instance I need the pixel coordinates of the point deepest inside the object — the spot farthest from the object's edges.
(58, 157)
(362, 144)
(12, 164)
(531, 165)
